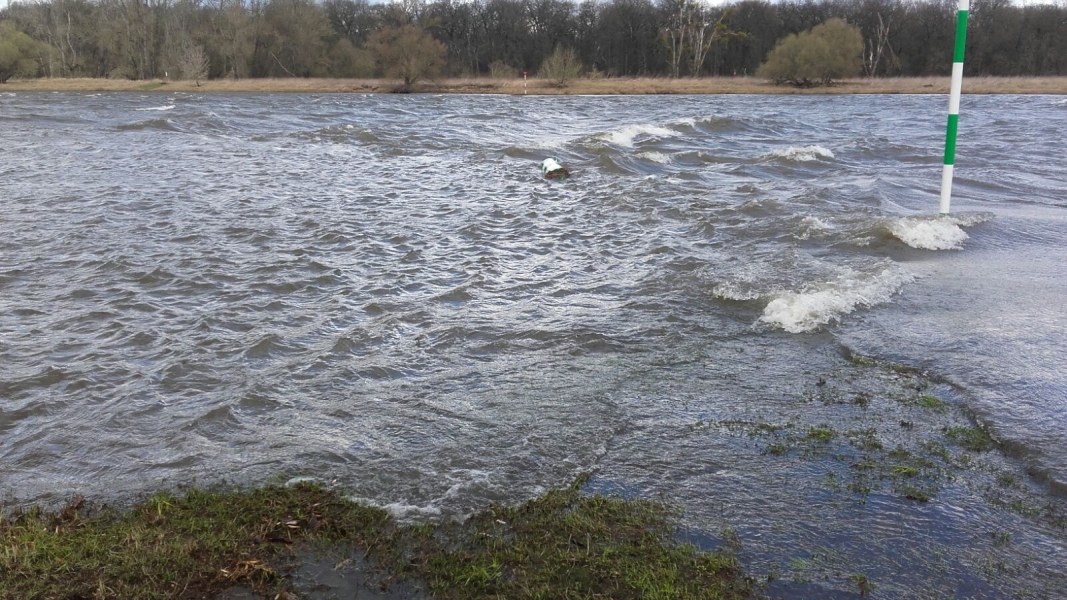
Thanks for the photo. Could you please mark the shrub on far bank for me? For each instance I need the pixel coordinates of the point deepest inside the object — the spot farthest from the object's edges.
(499, 69)
(18, 53)
(561, 66)
(831, 50)
(408, 53)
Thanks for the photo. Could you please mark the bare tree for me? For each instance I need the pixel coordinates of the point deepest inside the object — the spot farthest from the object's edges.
(194, 63)
(690, 31)
(674, 35)
(704, 32)
(875, 47)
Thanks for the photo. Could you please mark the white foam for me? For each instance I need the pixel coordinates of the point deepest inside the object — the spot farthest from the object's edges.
(1062, 102)
(802, 153)
(625, 137)
(812, 225)
(299, 480)
(167, 107)
(730, 291)
(692, 121)
(549, 143)
(941, 233)
(402, 511)
(819, 305)
(816, 223)
(659, 157)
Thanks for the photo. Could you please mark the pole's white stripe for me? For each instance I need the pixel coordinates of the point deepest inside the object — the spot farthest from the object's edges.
(965, 5)
(946, 188)
(957, 87)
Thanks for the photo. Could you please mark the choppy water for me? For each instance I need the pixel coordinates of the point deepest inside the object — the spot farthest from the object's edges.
(382, 291)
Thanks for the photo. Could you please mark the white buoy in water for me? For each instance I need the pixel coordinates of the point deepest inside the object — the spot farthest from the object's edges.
(551, 169)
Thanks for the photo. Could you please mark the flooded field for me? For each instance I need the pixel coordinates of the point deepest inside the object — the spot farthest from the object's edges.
(740, 305)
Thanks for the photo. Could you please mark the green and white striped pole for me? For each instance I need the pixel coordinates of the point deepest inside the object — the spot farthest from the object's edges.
(954, 105)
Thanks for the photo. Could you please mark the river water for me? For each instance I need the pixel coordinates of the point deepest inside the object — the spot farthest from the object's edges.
(382, 293)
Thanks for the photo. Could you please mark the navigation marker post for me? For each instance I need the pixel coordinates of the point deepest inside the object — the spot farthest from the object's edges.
(954, 105)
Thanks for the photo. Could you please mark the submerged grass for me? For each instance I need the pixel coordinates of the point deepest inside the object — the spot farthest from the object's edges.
(971, 438)
(562, 545)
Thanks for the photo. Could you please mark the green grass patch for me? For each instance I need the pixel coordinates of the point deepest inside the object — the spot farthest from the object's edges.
(915, 493)
(754, 428)
(861, 361)
(865, 440)
(821, 434)
(561, 545)
(927, 401)
(152, 86)
(865, 586)
(1006, 479)
(970, 438)
(777, 449)
(905, 471)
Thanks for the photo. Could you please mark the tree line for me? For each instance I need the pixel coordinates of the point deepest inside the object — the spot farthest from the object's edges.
(143, 39)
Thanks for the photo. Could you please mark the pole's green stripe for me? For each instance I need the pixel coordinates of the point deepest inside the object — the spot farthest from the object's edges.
(950, 139)
(961, 36)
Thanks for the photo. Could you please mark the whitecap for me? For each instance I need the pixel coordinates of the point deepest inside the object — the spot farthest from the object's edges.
(625, 137)
(935, 233)
(810, 225)
(731, 291)
(798, 312)
(659, 157)
(802, 153)
(167, 107)
(815, 223)
(549, 143)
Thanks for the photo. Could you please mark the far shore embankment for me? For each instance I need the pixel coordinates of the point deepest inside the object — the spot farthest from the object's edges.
(541, 87)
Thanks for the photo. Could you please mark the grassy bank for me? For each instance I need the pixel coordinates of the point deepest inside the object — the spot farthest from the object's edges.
(610, 86)
(561, 545)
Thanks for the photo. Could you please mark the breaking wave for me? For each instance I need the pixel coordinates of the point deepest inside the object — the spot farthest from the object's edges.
(161, 124)
(799, 312)
(810, 225)
(934, 233)
(167, 107)
(658, 157)
(801, 153)
(625, 137)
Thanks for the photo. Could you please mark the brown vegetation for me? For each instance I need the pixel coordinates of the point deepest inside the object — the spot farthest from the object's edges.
(606, 86)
